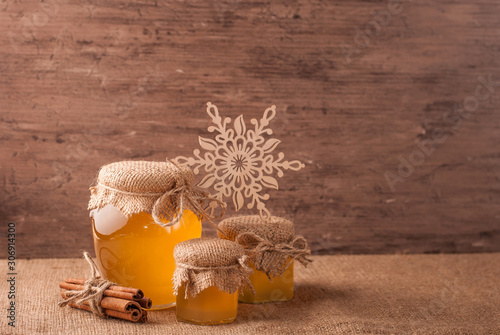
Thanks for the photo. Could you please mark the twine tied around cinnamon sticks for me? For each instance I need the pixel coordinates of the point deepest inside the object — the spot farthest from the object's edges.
(104, 298)
(273, 258)
(163, 189)
(92, 292)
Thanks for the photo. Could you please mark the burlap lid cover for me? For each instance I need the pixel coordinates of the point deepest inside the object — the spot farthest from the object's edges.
(204, 262)
(162, 189)
(269, 243)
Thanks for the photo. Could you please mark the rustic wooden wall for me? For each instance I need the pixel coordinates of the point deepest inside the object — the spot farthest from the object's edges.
(85, 83)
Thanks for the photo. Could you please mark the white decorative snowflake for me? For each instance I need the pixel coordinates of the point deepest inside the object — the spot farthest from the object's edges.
(239, 162)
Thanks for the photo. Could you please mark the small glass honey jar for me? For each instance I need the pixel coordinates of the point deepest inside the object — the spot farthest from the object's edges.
(207, 277)
(272, 247)
(140, 211)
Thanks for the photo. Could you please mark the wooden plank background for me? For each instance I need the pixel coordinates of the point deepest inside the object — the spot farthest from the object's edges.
(85, 83)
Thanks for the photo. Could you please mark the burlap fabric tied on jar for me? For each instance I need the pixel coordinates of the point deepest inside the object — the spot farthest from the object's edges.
(205, 262)
(270, 243)
(162, 189)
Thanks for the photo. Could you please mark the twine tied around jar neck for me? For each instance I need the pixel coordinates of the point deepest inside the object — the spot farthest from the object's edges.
(241, 262)
(265, 253)
(93, 291)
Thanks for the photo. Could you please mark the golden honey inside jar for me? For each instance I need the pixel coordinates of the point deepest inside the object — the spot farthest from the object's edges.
(272, 246)
(210, 306)
(279, 288)
(136, 252)
(133, 247)
(207, 277)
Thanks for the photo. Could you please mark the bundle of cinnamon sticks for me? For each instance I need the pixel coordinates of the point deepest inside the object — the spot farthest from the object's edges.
(119, 302)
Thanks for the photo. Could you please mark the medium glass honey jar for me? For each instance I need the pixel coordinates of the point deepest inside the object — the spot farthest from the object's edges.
(140, 211)
(272, 247)
(207, 277)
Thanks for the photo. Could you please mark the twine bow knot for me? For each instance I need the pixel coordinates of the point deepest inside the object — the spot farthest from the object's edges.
(269, 256)
(186, 196)
(93, 291)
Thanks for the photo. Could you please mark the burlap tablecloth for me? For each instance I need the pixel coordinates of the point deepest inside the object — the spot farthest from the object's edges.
(391, 294)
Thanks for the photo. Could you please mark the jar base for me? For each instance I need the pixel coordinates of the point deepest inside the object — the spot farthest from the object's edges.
(205, 323)
(264, 301)
(160, 307)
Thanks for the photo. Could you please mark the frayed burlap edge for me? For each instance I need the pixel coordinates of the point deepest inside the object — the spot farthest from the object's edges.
(126, 203)
(226, 278)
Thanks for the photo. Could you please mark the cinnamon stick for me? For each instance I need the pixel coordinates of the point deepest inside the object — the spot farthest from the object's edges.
(144, 316)
(138, 294)
(145, 302)
(117, 308)
(108, 293)
(116, 304)
(134, 316)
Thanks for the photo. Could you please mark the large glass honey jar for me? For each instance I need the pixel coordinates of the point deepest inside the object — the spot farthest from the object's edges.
(140, 212)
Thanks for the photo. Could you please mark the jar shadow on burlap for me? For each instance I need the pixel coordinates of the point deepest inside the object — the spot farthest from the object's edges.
(307, 301)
